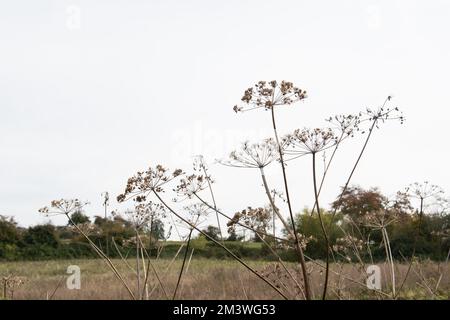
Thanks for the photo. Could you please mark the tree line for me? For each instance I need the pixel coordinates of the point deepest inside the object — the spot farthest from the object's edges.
(352, 220)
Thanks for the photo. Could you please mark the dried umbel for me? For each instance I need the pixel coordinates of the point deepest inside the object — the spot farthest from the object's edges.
(348, 242)
(379, 219)
(253, 155)
(279, 276)
(151, 180)
(309, 141)
(10, 283)
(303, 240)
(143, 214)
(347, 246)
(190, 185)
(424, 191)
(382, 114)
(255, 218)
(63, 206)
(347, 125)
(196, 211)
(270, 94)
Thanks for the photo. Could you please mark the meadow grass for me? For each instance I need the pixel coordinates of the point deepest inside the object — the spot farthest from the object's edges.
(214, 279)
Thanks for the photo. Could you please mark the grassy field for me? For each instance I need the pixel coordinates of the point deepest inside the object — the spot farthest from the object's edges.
(217, 279)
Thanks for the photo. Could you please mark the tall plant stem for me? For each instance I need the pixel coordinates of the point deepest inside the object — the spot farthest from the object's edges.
(182, 265)
(286, 188)
(354, 169)
(272, 203)
(222, 246)
(214, 201)
(138, 272)
(281, 262)
(327, 168)
(103, 256)
(389, 258)
(150, 265)
(372, 127)
(325, 235)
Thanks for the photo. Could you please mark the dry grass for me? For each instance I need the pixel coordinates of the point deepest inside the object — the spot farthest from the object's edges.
(214, 279)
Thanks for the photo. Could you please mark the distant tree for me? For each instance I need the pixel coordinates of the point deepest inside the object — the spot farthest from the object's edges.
(357, 202)
(311, 229)
(233, 236)
(213, 232)
(9, 232)
(42, 235)
(157, 231)
(79, 217)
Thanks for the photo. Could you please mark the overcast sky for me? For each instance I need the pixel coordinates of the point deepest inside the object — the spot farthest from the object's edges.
(93, 91)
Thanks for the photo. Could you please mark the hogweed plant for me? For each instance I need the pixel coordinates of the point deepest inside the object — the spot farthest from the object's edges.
(270, 95)
(423, 192)
(195, 212)
(9, 284)
(152, 182)
(380, 220)
(201, 166)
(147, 191)
(258, 156)
(311, 142)
(68, 206)
(142, 217)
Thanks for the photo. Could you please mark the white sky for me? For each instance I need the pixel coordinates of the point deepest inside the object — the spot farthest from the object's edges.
(85, 104)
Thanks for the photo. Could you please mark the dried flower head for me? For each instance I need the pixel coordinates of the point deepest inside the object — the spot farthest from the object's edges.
(382, 114)
(200, 167)
(278, 275)
(348, 244)
(253, 155)
(424, 191)
(63, 206)
(143, 214)
(303, 240)
(347, 125)
(309, 141)
(379, 219)
(10, 283)
(255, 218)
(142, 183)
(190, 185)
(270, 94)
(197, 211)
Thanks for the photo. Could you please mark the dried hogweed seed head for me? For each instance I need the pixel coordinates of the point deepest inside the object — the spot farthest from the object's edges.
(253, 155)
(424, 190)
(308, 141)
(255, 218)
(151, 180)
(143, 214)
(270, 94)
(63, 206)
(192, 184)
(347, 125)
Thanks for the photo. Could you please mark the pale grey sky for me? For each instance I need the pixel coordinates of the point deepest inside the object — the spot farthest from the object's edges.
(92, 91)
